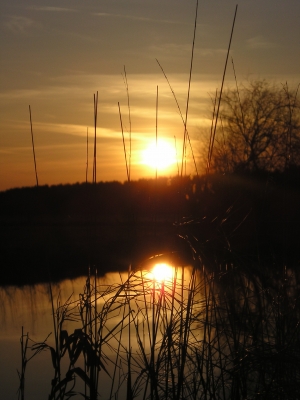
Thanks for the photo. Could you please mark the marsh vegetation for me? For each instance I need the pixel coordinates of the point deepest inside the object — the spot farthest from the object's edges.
(231, 333)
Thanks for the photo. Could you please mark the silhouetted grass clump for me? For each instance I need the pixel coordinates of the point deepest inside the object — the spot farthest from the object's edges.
(229, 334)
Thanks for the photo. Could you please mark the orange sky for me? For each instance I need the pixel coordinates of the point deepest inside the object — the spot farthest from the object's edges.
(56, 57)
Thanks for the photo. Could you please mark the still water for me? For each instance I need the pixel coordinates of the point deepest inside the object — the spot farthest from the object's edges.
(145, 306)
(28, 307)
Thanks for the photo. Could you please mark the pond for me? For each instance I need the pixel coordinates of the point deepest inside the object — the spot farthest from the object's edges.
(133, 309)
(161, 331)
(28, 307)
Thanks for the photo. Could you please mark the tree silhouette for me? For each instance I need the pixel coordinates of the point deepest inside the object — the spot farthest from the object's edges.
(259, 129)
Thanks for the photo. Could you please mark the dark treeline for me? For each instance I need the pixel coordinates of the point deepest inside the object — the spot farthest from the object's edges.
(54, 232)
(103, 200)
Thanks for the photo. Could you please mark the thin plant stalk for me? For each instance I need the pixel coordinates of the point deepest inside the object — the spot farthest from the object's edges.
(87, 155)
(129, 382)
(124, 146)
(176, 155)
(156, 160)
(153, 343)
(97, 341)
(25, 360)
(129, 117)
(238, 94)
(95, 137)
(118, 350)
(188, 95)
(156, 125)
(33, 150)
(180, 113)
(55, 318)
(221, 92)
(211, 131)
(24, 346)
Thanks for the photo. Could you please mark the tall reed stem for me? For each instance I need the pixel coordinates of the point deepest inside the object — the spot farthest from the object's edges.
(95, 137)
(180, 113)
(124, 146)
(32, 141)
(221, 91)
(87, 155)
(188, 95)
(129, 117)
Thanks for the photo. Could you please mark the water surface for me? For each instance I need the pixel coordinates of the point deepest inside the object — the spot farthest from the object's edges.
(30, 307)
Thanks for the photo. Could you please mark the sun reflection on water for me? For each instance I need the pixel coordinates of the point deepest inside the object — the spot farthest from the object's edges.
(162, 272)
(132, 311)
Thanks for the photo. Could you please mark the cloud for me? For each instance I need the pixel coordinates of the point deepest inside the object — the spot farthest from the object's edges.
(19, 24)
(172, 49)
(53, 9)
(259, 42)
(176, 50)
(137, 18)
(211, 52)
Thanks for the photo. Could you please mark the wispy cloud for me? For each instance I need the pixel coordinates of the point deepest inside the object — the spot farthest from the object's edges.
(19, 24)
(175, 50)
(52, 9)
(171, 48)
(137, 18)
(259, 42)
(210, 52)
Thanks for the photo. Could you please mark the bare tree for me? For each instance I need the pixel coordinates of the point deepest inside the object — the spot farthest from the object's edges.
(259, 129)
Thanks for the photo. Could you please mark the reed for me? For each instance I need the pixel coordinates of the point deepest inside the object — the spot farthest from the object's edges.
(95, 137)
(124, 145)
(213, 135)
(182, 119)
(130, 128)
(188, 93)
(24, 347)
(33, 149)
(203, 334)
(87, 156)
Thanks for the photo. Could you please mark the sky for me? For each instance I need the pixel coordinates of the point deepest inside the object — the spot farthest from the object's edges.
(55, 55)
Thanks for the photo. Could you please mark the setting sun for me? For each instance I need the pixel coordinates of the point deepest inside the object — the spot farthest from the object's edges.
(161, 155)
(162, 272)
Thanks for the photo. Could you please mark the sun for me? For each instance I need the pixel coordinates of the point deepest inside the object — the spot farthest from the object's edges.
(162, 272)
(161, 155)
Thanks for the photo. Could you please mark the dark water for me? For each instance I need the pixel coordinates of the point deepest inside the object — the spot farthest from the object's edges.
(30, 307)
